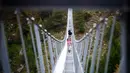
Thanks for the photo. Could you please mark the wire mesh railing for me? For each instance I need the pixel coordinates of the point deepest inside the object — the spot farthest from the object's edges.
(46, 48)
(90, 47)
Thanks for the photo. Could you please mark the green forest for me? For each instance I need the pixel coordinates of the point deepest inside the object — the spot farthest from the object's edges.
(55, 21)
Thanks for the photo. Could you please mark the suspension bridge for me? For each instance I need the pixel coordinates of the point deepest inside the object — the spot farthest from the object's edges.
(61, 60)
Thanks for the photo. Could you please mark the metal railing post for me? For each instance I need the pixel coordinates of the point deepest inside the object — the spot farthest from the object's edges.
(81, 48)
(100, 49)
(39, 47)
(3, 50)
(91, 41)
(109, 46)
(56, 50)
(22, 40)
(44, 39)
(34, 46)
(85, 51)
(123, 63)
(51, 53)
(95, 49)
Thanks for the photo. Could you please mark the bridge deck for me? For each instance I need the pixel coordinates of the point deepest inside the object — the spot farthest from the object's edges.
(69, 64)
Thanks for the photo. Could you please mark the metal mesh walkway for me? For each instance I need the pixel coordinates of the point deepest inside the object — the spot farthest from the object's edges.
(69, 64)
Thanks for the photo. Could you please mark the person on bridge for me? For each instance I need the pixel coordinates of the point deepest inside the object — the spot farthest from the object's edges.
(69, 43)
(70, 33)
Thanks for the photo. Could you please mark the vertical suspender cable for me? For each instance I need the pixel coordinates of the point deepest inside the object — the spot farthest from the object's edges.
(3, 50)
(123, 63)
(100, 49)
(46, 52)
(51, 53)
(22, 39)
(91, 41)
(110, 42)
(95, 49)
(34, 48)
(39, 47)
(85, 51)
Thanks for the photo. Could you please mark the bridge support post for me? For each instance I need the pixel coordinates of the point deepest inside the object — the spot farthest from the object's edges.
(51, 53)
(34, 46)
(46, 52)
(109, 45)
(40, 54)
(124, 48)
(81, 48)
(100, 47)
(17, 12)
(85, 51)
(95, 49)
(56, 50)
(90, 45)
(78, 48)
(3, 50)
